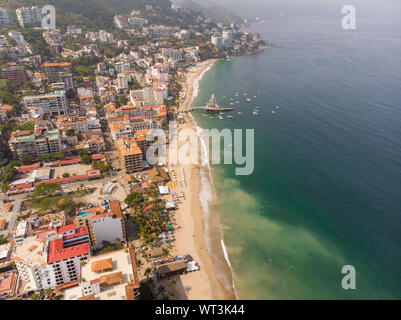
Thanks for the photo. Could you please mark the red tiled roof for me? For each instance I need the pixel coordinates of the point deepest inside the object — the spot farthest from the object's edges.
(58, 253)
(29, 168)
(67, 228)
(71, 178)
(64, 162)
(97, 157)
(20, 186)
(78, 232)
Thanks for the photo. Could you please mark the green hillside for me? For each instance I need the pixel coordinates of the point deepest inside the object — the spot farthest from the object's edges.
(91, 14)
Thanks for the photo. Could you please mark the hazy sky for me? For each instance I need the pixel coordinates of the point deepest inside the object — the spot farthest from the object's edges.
(327, 8)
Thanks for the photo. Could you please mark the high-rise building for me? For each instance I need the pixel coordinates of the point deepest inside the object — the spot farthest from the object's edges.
(44, 140)
(227, 34)
(14, 72)
(50, 103)
(55, 70)
(122, 67)
(5, 17)
(29, 17)
(227, 38)
(121, 22)
(130, 155)
(175, 55)
(217, 41)
(54, 262)
(122, 82)
(103, 224)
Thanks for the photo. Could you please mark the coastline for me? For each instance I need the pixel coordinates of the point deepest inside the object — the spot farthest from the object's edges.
(200, 230)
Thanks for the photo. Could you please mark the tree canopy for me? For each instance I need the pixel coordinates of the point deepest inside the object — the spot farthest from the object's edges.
(46, 189)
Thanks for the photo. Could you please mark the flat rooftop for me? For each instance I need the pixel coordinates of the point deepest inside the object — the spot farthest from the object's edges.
(32, 251)
(116, 272)
(128, 147)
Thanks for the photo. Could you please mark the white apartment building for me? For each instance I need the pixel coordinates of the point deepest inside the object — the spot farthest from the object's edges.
(18, 37)
(175, 55)
(227, 34)
(137, 22)
(73, 30)
(183, 35)
(217, 41)
(105, 36)
(29, 17)
(20, 232)
(121, 67)
(107, 226)
(52, 103)
(53, 262)
(122, 82)
(5, 17)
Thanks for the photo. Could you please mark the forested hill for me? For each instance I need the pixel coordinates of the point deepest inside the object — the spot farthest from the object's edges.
(97, 14)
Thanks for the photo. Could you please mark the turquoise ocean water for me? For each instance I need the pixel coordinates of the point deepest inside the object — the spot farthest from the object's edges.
(326, 190)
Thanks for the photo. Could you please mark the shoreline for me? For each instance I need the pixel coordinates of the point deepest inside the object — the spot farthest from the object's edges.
(197, 224)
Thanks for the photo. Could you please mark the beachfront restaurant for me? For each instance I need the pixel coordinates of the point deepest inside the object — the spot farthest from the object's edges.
(171, 269)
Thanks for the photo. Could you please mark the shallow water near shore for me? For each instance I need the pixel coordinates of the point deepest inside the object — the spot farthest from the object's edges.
(325, 190)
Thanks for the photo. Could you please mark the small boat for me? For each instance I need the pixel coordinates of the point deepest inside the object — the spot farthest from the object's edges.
(248, 99)
(273, 111)
(239, 113)
(232, 103)
(277, 107)
(230, 116)
(221, 117)
(255, 113)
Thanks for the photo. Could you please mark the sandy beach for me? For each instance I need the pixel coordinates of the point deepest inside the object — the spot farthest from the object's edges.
(190, 236)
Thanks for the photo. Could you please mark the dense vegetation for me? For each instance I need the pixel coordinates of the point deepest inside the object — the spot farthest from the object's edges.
(89, 14)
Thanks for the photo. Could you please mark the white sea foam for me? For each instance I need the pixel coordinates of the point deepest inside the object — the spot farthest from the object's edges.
(206, 195)
(228, 262)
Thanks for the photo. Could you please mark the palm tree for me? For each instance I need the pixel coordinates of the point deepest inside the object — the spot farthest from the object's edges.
(161, 290)
(172, 285)
(148, 272)
(165, 253)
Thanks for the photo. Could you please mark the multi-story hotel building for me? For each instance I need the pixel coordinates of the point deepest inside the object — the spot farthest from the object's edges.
(53, 262)
(56, 70)
(14, 72)
(130, 155)
(50, 103)
(29, 17)
(103, 224)
(43, 141)
(5, 17)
